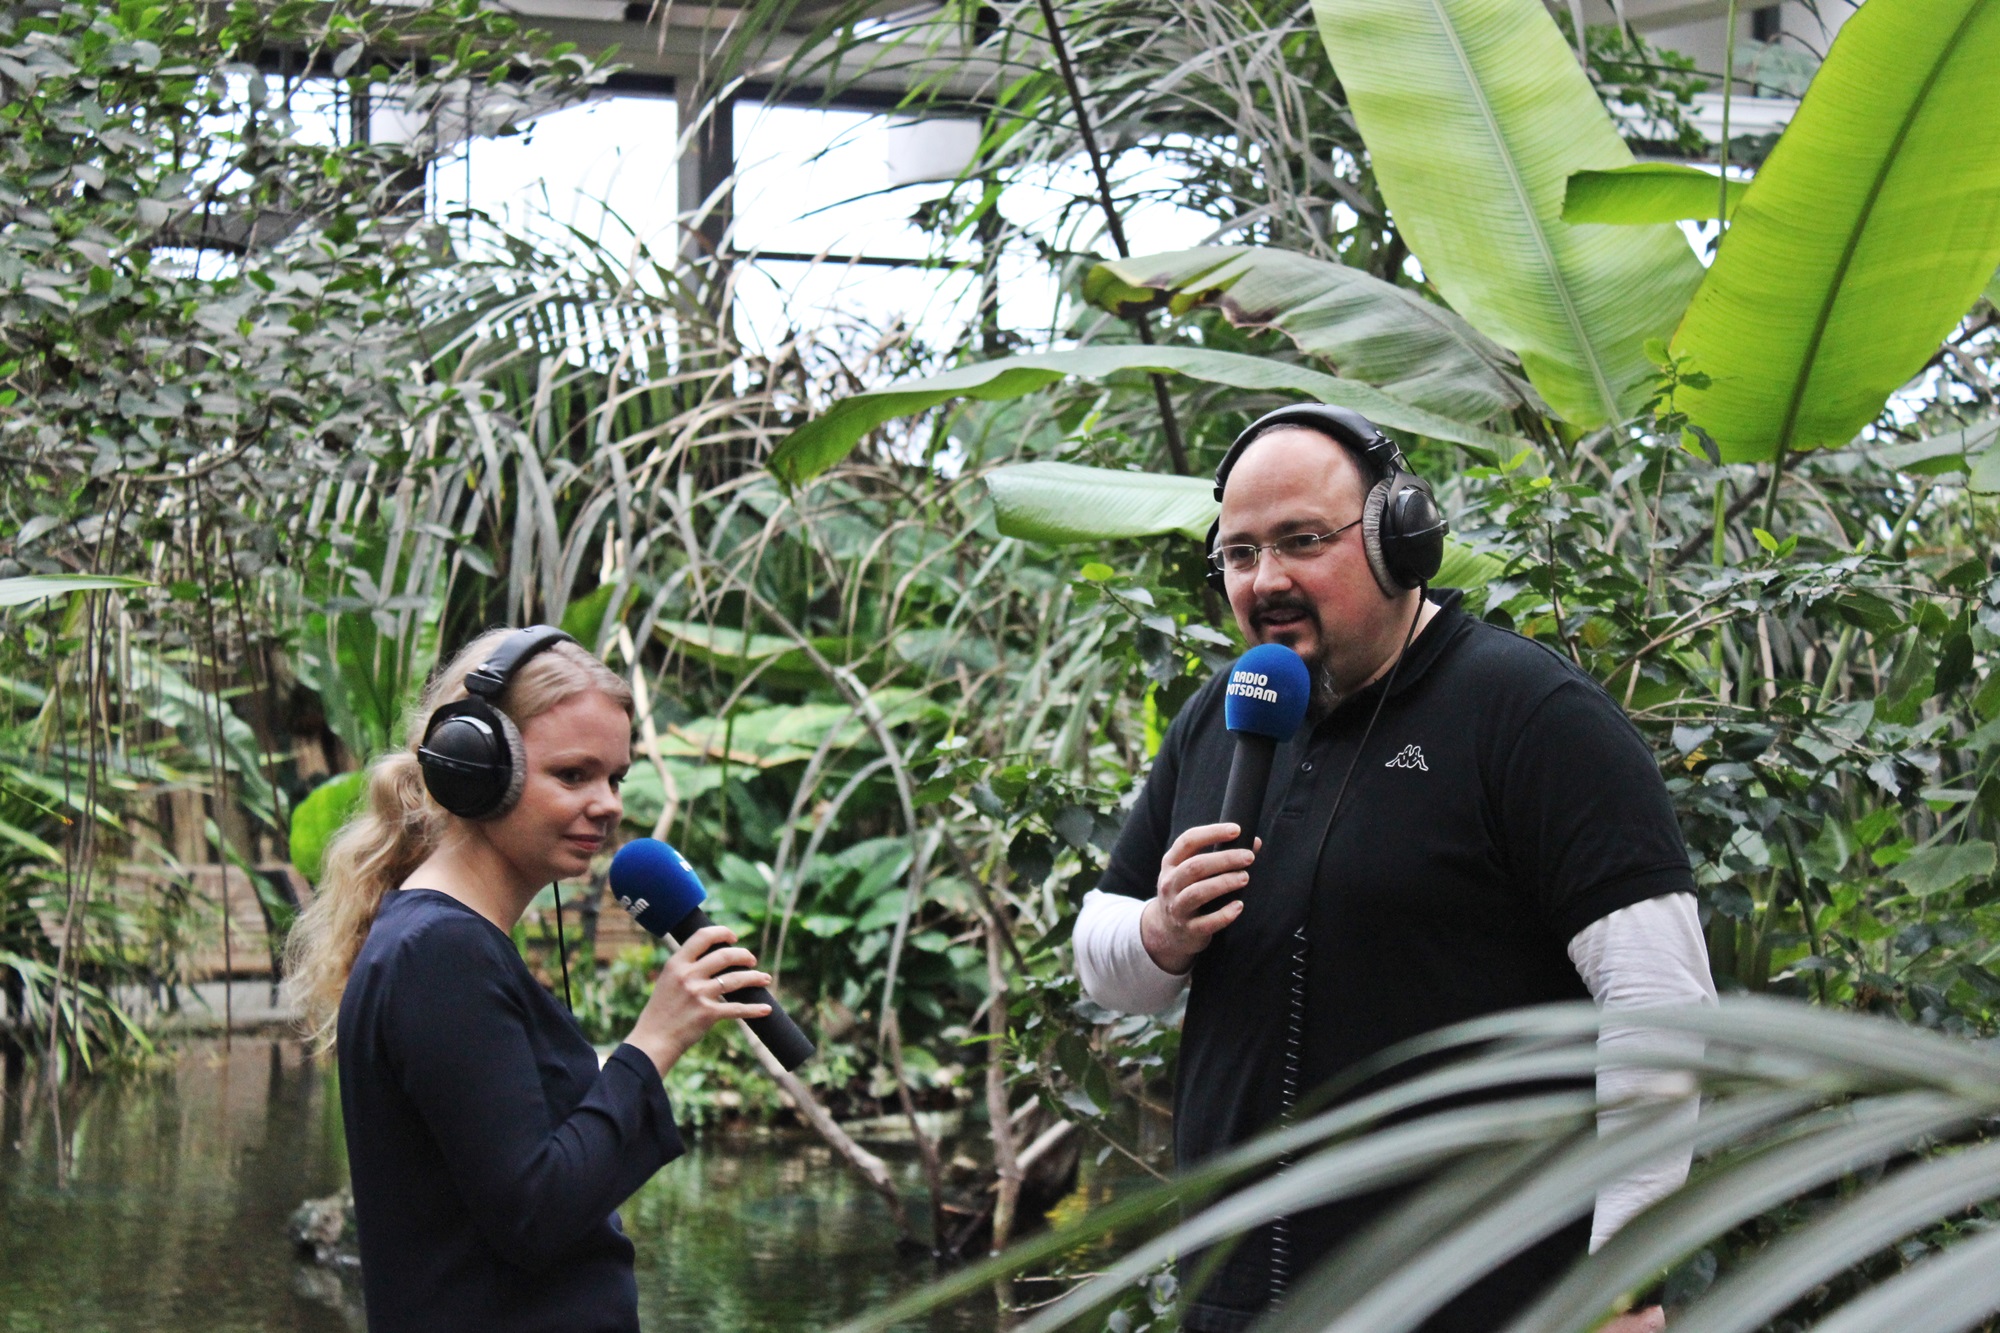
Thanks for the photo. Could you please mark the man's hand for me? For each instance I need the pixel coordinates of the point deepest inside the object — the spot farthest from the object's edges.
(1649, 1320)
(1172, 927)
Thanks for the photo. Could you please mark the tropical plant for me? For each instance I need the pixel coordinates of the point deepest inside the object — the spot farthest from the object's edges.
(205, 341)
(1876, 1138)
(900, 661)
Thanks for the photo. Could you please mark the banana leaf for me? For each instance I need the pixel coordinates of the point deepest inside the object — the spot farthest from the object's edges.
(733, 652)
(1476, 114)
(787, 733)
(830, 437)
(1865, 237)
(1370, 330)
(1065, 502)
(1647, 192)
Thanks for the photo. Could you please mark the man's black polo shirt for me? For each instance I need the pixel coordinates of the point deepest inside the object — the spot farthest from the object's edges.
(1503, 803)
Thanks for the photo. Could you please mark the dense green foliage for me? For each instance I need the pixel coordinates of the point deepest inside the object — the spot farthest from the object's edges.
(211, 308)
(881, 709)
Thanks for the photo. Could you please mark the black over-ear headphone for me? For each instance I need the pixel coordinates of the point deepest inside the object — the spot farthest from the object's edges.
(1402, 529)
(473, 761)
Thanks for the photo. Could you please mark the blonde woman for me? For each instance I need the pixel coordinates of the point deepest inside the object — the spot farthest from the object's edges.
(488, 1149)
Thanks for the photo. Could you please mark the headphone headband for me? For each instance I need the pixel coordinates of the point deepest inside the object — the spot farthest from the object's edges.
(1348, 428)
(489, 679)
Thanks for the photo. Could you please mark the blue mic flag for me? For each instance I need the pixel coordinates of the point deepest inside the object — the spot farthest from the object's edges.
(1269, 690)
(655, 884)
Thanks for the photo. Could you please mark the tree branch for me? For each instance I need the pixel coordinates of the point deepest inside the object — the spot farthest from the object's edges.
(1693, 545)
(1176, 446)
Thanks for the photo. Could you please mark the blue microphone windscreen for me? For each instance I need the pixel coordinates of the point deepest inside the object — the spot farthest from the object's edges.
(655, 884)
(1269, 688)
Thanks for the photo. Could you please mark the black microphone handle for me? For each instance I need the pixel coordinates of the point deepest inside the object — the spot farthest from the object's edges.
(780, 1035)
(1243, 798)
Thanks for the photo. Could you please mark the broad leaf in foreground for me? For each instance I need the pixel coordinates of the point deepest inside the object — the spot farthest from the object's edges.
(824, 441)
(773, 657)
(1368, 329)
(1476, 114)
(1066, 502)
(1796, 1100)
(1865, 237)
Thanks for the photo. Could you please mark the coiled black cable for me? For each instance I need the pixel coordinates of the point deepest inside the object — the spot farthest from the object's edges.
(1295, 1008)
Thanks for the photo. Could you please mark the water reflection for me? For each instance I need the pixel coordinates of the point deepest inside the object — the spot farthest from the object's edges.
(182, 1182)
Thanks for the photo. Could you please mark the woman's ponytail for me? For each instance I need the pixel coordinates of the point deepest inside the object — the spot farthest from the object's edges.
(389, 838)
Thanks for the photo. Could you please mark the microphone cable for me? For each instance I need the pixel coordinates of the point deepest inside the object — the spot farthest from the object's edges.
(562, 947)
(1295, 1016)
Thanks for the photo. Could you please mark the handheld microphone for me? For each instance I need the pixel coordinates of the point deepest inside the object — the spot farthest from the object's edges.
(1269, 689)
(661, 891)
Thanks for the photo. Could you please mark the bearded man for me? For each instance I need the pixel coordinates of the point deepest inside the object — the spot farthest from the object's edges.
(1466, 824)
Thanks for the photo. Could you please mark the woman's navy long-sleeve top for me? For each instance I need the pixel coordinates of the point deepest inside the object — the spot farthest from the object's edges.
(486, 1146)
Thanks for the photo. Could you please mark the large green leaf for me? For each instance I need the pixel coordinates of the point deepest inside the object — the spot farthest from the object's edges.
(824, 441)
(1959, 449)
(583, 619)
(1647, 192)
(323, 813)
(729, 650)
(1931, 870)
(1867, 234)
(1065, 502)
(787, 733)
(1369, 329)
(1476, 114)
(33, 587)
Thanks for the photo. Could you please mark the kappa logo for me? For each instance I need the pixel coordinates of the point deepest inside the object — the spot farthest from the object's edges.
(1411, 757)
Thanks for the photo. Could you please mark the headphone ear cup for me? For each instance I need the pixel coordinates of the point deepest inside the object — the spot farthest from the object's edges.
(469, 759)
(1375, 515)
(1210, 572)
(1413, 529)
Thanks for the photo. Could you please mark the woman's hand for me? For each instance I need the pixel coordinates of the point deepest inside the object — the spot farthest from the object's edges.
(691, 995)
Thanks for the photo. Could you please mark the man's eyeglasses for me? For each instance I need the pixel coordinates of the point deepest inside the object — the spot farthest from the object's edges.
(1241, 559)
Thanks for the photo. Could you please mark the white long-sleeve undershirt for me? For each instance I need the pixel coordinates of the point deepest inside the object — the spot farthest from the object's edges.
(1651, 953)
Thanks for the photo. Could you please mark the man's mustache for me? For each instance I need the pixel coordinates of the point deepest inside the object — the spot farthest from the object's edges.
(1283, 603)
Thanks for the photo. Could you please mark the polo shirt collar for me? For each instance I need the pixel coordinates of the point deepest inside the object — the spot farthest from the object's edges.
(1445, 628)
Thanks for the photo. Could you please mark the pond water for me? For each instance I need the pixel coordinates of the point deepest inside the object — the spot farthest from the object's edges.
(174, 1217)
